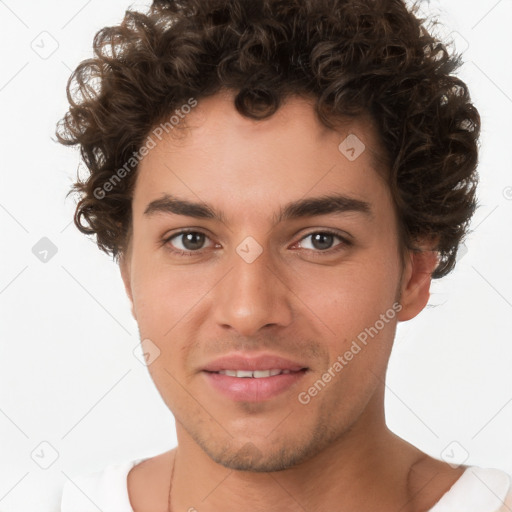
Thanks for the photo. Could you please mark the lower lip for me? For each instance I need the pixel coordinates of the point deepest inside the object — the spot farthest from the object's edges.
(249, 389)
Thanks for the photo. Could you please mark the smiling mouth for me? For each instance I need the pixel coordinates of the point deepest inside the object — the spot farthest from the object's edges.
(250, 377)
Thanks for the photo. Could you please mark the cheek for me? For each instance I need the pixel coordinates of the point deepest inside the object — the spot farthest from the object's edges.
(349, 298)
(171, 304)
(353, 309)
(162, 296)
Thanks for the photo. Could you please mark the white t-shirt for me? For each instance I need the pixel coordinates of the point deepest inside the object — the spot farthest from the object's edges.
(477, 490)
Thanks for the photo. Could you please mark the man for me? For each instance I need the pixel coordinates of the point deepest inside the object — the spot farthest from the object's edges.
(279, 180)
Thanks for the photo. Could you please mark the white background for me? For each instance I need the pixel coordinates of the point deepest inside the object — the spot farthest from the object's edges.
(68, 373)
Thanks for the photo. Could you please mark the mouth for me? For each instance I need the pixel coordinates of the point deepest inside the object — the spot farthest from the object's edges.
(253, 379)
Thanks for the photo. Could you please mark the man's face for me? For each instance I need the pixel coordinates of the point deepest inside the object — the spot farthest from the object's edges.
(303, 289)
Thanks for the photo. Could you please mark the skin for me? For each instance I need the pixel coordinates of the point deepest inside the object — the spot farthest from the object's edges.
(279, 454)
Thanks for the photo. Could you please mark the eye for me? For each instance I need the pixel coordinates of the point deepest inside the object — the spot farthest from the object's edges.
(322, 241)
(190, 242)
(186, 242)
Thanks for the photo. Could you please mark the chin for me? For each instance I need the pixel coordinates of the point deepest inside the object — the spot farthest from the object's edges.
(258, 459)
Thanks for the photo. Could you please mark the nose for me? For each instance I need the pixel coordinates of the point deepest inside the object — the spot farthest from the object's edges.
(253, 295)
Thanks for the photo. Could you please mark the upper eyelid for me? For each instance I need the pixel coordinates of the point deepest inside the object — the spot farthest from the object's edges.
(324, 231)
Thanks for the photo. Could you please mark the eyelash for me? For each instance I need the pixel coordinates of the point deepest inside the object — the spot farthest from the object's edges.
(316, 253)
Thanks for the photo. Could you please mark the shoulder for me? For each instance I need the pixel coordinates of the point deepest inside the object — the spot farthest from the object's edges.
(438, 487)
(478, 490)
(104, 490)
(429, 479)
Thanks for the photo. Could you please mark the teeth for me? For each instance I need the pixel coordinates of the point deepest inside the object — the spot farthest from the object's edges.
(243, 373)
(261, 373)
(257, 374)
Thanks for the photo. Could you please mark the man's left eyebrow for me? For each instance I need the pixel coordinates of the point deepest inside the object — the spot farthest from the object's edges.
(324, 205)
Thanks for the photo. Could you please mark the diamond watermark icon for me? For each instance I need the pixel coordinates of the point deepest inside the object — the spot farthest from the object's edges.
(459, 41)
(462, 250)
(455, 454)
(249, 453)
(352, 147)
(150, 352)
(44, 250)
(249, 249)
(45, 45)
(44, 455)
(507, 193)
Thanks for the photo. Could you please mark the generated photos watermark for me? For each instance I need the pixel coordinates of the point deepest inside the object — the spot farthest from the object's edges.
(149, 144)
(305, 397)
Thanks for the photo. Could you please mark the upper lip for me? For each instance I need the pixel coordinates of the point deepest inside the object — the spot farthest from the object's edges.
(255, 362)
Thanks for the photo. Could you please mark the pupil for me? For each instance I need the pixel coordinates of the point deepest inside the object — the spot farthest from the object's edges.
(319, 240)
(193, 240)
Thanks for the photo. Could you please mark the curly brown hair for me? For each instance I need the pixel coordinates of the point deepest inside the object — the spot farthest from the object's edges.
(353, 57)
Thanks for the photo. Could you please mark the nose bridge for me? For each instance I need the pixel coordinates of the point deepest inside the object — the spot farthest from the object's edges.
(252, 296)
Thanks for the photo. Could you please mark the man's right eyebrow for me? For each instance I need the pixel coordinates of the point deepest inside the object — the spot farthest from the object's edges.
(174, 205)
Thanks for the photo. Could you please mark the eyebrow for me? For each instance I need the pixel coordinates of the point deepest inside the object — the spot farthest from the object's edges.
(308, 207)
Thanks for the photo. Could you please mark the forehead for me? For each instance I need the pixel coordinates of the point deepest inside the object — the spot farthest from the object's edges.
(217, 155)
